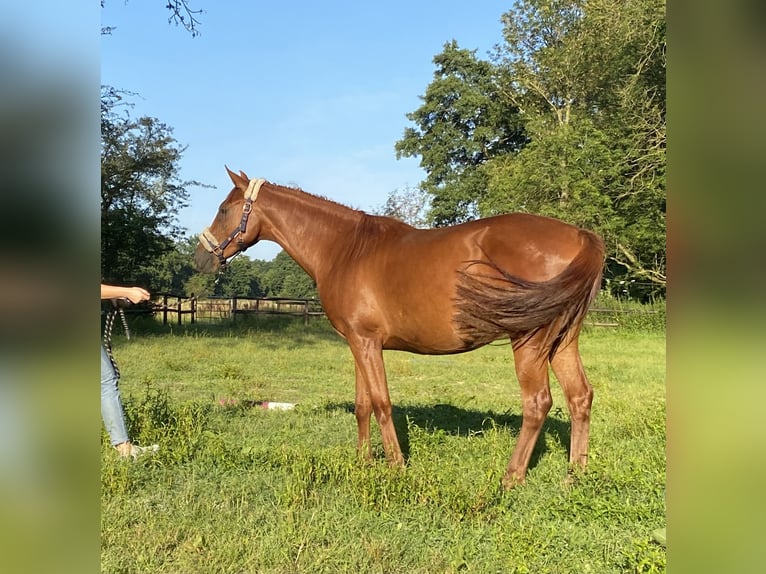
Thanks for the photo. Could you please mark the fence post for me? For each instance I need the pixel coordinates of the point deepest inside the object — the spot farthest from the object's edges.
(178, 306)
(233, 308)
(193, 308)
(165, 309)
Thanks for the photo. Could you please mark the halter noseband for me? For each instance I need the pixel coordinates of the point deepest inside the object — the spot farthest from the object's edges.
(208, 240)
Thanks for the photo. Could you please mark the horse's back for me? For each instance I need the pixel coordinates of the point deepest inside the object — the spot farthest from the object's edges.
(532, 247)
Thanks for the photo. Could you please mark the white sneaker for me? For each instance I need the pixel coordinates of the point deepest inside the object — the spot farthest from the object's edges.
(130, 449)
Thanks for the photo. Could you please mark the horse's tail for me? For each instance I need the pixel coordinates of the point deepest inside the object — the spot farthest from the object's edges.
(489, 305)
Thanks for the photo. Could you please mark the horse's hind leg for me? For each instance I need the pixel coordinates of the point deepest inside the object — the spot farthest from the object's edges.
(567, 365)
(532, 373)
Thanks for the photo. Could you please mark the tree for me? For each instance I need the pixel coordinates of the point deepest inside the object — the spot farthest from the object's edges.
(409, 205)
(285, 278)
(171, 271)
(562, 175)
(242, 278)
(582, 83)
(590, 78)
(462, 123)
(200, 285)
(141, 192)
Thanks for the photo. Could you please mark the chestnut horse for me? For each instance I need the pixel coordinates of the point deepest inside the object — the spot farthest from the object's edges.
(386, 285)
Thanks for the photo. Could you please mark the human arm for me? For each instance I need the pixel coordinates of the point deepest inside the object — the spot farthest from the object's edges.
(134, 294)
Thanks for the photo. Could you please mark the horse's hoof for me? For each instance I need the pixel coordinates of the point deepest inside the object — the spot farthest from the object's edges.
(509, 482)
(573, 475)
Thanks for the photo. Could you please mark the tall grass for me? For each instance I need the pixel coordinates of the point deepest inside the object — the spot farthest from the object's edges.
(236, 488)
(627, 314)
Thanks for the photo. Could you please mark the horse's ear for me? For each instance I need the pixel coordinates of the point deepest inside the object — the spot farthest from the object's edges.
(243, 174)
(237, 179)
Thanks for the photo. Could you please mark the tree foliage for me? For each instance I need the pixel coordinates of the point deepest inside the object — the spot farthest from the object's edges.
(141, 240)
(243, 277)
(582, 85)
(174, 273)
(141, 192)
(285, 278)
(410, 205)
(462, 123)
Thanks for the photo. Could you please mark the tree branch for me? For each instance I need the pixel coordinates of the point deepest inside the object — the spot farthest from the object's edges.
(632, 263)
(180, 13)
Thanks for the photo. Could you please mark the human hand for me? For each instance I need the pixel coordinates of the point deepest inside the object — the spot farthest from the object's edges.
(137, 294)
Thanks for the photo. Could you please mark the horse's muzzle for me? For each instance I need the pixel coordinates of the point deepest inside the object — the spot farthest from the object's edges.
(204, 261)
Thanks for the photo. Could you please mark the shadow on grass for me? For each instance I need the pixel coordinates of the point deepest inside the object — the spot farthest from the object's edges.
(457, 421)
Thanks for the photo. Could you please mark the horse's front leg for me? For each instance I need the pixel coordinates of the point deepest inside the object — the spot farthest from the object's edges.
(362, 410)
(371, 384)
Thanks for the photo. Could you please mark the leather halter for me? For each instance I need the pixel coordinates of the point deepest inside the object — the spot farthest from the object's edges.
(210, 243)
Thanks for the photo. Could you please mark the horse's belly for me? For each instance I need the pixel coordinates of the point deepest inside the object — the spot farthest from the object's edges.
(433, 347)
(446, 346)
(427, 336)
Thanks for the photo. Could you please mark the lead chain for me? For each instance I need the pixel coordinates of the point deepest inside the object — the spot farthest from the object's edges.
(108, 324)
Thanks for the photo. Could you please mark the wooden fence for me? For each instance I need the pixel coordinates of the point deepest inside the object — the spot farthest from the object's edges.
(191, 309)
(230, 308)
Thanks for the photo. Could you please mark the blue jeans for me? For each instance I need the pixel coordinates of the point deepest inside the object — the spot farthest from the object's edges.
(111, 404)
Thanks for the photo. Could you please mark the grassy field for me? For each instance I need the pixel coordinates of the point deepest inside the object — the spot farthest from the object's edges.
(236, 488)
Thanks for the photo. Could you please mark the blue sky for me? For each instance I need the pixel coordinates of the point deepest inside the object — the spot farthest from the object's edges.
(311, 94)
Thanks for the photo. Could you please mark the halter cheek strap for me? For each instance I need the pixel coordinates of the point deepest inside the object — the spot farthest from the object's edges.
(208, 240)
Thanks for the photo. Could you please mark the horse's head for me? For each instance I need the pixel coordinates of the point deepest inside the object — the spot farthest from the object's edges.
(233, 230)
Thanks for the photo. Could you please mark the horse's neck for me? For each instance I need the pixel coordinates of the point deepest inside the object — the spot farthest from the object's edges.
(310, 229)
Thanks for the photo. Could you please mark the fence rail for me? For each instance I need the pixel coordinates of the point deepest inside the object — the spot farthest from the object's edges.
(192, 309)
(213, 308)
(613, 323)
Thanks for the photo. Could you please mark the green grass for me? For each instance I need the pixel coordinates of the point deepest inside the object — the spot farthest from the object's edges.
(236, 488)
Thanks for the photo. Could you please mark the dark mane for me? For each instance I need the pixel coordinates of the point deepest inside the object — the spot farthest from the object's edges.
(300, 191)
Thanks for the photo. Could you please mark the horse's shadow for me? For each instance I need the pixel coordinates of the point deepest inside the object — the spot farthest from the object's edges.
(457, 421)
